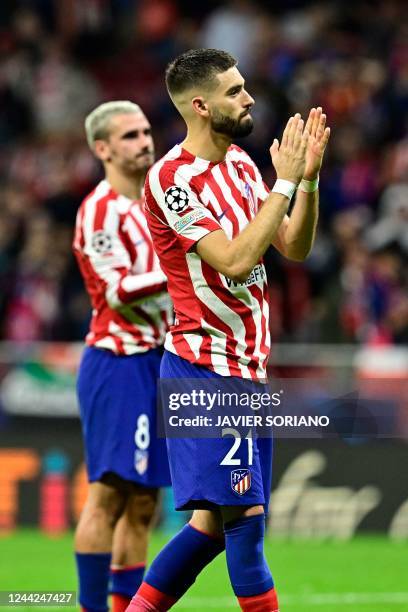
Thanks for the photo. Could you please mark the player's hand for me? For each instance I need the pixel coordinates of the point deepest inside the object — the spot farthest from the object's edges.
(289, 157)
(318, 138)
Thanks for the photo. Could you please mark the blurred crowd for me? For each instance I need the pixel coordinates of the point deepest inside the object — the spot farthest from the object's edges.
(58, 60)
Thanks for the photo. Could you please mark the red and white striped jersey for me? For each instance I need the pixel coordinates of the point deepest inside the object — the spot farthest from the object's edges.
(220, 324)
(128, 290)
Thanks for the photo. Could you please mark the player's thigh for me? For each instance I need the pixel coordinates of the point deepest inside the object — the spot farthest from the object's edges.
(141, 505)
(208, 521)
(234, 513)
(108, 496)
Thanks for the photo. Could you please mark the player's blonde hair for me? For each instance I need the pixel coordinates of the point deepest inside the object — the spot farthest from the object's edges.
(97, 122)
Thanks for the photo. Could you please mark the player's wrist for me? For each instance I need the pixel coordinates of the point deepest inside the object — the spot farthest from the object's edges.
(284, 187)
(309, 185)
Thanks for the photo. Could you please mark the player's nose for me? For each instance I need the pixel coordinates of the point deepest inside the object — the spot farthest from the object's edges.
(249, 101)
(146, 142)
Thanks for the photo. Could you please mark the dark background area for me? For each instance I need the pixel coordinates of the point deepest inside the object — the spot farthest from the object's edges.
(58, 60)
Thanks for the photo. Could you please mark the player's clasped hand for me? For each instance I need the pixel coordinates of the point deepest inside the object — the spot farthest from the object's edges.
(289, 157)
(319, 136)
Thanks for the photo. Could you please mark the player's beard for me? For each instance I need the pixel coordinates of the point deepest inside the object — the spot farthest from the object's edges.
(234, 128)
(134, 167)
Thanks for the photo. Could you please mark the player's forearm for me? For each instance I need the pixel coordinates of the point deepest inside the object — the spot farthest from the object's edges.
(301, 229)
(133, 287)
(245, 251)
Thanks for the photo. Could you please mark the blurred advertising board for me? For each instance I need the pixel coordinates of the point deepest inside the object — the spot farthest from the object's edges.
(321, 488)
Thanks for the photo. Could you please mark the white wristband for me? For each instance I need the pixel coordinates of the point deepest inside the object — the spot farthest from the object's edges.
(286, 188)
(309, 186)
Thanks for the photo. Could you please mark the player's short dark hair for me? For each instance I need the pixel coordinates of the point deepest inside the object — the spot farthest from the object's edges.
(197, 67)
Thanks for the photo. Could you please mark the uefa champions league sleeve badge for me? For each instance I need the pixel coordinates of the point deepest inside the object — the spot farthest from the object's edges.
(176, 199)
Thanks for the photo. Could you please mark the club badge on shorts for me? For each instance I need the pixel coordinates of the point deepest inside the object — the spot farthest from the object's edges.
(240, 481)
(141, 461)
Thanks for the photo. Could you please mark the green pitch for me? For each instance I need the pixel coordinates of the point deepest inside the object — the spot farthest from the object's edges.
(365, 574)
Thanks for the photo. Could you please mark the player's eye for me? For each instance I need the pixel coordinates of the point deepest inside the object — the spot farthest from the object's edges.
(147, 132)
(235, 91)
(132, 134)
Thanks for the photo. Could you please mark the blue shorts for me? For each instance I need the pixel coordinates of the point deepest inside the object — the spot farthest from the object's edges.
(198, 478)
(117, 398)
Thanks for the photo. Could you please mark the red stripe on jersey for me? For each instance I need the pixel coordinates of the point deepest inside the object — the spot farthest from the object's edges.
(142, 313)
(129, 296)
(226, 208)
(183, 348)
(250, 170)
(100, 213)
(79, 236)
(129, 245)
(261, 296)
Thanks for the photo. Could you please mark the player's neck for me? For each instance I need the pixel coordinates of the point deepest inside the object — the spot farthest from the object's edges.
(129, 186)
(210, 146)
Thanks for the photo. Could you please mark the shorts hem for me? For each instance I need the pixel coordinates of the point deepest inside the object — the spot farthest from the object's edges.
(97, 477)
(210, 504)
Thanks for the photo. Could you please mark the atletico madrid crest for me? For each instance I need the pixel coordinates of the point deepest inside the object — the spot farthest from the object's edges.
(240, 481)
(249, 196)
(141, 461)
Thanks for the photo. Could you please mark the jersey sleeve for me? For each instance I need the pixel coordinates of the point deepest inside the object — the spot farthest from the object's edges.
(170, 196)
(106, 253)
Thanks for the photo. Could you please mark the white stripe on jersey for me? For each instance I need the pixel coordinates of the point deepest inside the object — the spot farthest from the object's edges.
(221, 310)
(226, 192)
(137, 238)
(194, 342)
(100, 192)
(185, 172)
(126, 337)
(107, 343)
(208, 197)
(218, 347)
(133, 283)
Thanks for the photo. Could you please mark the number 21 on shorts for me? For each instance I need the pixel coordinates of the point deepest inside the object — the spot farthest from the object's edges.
(230, 458)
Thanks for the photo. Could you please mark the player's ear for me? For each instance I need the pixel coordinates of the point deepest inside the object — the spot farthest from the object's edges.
(102, 150)
(200, 106)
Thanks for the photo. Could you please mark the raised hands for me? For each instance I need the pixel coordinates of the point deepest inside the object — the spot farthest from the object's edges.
(300, 154)
(289, 157)
(318, 138)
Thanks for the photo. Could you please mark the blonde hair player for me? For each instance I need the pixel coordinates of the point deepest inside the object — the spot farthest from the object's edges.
(131, 311)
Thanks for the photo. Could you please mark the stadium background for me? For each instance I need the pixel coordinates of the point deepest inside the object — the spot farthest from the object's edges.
(343, 315)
